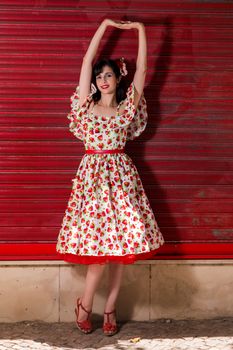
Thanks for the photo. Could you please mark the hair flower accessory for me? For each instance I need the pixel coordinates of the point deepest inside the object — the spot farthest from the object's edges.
(93, 89)
(122, 65)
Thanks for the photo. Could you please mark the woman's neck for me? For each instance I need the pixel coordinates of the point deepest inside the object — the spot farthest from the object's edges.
(107, 101)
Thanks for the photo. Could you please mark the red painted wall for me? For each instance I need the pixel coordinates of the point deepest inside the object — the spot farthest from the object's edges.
(185, 156)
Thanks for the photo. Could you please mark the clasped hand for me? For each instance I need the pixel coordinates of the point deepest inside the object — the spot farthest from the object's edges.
(123, 24)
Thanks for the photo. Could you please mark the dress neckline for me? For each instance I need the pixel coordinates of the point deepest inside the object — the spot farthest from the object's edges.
(107, 117)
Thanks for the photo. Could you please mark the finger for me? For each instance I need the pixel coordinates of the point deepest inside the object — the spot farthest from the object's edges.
(125, 22)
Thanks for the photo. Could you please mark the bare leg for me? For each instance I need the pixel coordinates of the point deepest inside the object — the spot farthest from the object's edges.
(94, 274)
(115, 278)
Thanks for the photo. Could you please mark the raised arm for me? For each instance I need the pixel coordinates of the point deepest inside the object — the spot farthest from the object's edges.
(141, 63)
(86, 68)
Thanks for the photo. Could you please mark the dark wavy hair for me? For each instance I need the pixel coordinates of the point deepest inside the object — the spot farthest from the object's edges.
(98, 68)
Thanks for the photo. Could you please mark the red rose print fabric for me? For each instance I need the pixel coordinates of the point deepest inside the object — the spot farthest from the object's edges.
(108, 215)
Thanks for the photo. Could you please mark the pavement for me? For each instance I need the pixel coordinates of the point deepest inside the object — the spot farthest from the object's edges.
(163, 334)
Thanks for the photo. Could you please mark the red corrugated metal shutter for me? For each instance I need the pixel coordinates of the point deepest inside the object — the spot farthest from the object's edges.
(185, 155)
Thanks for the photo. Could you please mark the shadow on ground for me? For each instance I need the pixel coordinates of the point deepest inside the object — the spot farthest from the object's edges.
(67, 336)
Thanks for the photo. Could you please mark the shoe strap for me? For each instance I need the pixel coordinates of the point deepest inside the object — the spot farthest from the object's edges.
(88, 312)
(109, 313)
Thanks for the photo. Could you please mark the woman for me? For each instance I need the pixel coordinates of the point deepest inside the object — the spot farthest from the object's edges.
(109, 218)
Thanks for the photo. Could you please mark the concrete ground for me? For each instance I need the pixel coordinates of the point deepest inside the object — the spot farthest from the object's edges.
(215, 334)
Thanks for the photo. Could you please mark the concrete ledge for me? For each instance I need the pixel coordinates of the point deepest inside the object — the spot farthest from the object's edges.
(151, 289)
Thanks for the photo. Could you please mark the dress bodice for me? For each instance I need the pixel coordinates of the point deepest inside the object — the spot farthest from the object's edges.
(101, 132)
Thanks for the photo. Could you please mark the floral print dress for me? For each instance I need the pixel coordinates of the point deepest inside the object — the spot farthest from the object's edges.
(108, 215)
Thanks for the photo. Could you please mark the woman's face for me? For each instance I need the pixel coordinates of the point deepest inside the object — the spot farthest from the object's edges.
(106, 81)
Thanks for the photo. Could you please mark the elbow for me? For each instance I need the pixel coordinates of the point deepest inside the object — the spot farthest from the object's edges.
(142, 69)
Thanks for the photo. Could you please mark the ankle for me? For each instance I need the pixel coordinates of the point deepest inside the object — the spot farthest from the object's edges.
(109, 308)
(86, 304)
(110, 317)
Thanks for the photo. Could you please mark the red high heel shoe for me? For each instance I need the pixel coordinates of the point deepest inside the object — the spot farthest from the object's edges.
(86, 325)
(108, 327)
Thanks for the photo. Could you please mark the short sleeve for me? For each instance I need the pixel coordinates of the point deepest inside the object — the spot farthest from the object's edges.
(77, 112)
(138, 117)
(135, 119)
